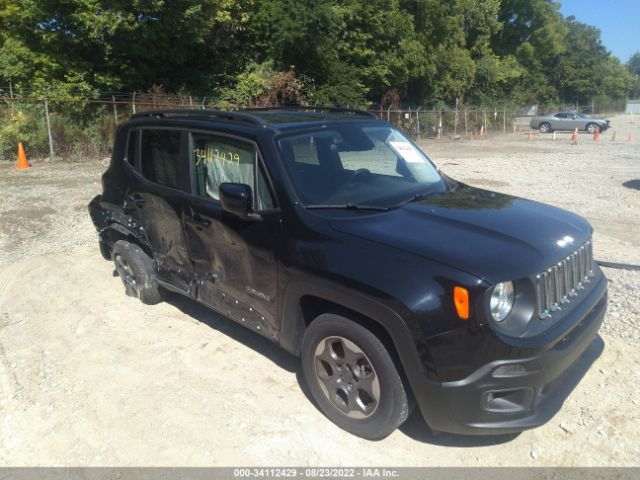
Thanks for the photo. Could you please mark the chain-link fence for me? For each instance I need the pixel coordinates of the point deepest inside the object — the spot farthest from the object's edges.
(76, 128)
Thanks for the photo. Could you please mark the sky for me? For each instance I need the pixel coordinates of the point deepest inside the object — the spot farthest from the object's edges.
(618, 20)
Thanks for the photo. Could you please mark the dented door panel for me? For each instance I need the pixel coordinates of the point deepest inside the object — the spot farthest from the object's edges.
(235, 263)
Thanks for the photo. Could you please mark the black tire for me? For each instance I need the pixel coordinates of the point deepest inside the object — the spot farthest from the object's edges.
(591, 127)
(371, 418)
(545, 127)
(136, 271)
(105, 249)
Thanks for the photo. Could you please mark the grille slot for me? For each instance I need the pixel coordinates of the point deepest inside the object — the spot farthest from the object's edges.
(558, 284)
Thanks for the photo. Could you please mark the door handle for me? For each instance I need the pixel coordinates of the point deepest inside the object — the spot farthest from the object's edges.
(197, 220)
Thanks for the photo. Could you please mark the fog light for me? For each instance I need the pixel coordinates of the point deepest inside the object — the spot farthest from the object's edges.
(511, 370)
(508, 401)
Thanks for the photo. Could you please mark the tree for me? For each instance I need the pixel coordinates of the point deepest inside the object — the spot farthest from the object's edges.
(85, 44)
(634, 64)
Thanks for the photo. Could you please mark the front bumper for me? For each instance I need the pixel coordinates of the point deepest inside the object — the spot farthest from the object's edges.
(508, 396)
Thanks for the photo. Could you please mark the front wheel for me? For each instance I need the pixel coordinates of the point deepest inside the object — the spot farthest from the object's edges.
(545, 127)
(352, 377)
(591, 127)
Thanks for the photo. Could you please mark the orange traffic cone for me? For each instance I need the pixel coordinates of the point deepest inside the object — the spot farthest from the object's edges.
(22, 158)
(530, 136)
(596, 134)
(574, 137)
(630, 138)
(472, 136)
(613, 137)
(515, 128)
(482, 130)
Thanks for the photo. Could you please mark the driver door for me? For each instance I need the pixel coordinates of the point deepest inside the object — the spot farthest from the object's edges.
(235, 260)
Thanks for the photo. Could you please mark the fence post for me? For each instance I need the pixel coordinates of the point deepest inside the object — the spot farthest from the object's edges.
(133, 103)
(504, 121)
(46, 112)
(388, 112)
(418, 121)
(203, 102)
(466, 130)
(115, 109)
(455, 121)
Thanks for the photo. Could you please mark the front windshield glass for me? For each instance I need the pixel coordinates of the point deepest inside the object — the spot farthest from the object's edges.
(357, 165)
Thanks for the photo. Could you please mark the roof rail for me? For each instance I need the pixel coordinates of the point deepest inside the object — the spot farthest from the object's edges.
(317, 109)
(197, 112)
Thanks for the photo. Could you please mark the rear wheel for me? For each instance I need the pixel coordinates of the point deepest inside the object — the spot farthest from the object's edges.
(136, 271)
(545, 127)
(352, 377)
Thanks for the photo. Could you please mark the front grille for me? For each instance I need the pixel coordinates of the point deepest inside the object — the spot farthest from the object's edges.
(559, 284)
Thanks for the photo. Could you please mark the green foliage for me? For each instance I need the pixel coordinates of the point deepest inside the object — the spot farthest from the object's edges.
(339, 52)
(22, 123)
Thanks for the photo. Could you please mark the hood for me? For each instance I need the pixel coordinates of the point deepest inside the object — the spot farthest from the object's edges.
(493, 236)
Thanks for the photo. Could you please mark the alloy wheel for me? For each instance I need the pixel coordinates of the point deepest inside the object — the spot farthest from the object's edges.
(347, 377)
(128, 277)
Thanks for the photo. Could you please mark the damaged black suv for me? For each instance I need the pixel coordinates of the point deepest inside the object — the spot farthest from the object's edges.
(330, 233)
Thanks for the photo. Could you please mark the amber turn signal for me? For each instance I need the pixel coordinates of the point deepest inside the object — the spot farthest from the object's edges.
(461, 301)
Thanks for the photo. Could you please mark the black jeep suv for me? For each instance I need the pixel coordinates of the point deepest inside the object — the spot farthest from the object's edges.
(331, 234)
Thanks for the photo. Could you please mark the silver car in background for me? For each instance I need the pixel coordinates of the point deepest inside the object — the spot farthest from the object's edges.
(568, 121)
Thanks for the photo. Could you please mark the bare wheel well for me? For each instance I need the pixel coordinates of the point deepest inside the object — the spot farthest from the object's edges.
(312, 307)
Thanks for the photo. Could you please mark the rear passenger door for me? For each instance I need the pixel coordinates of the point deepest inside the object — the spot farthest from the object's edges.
(235, 260)
(158, 197)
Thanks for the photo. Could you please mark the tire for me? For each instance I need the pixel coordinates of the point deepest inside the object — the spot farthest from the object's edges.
(545, 127)
(136, 271)
(105, 249)
(352, 377)
(591, 127)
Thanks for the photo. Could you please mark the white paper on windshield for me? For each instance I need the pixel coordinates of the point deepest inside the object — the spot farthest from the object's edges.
(407, 151)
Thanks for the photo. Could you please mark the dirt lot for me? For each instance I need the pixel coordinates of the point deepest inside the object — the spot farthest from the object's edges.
(89, 376)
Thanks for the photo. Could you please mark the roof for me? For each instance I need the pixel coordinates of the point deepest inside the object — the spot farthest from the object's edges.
(281, 117)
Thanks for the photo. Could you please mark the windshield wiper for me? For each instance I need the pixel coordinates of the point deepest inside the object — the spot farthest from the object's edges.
(348, 206)
(414, 198)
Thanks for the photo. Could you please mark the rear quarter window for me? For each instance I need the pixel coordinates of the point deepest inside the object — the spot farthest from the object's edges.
(160, 157)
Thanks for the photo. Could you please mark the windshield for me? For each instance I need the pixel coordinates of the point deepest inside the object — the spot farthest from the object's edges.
(357, 165)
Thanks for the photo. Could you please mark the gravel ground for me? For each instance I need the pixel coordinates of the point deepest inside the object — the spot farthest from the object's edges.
(89, 376)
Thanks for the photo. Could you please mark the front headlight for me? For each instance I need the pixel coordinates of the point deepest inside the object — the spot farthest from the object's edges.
(501, 302)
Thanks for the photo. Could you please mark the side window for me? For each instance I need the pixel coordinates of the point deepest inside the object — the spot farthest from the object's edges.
(216, 160)
(132, 147)
(160, 156)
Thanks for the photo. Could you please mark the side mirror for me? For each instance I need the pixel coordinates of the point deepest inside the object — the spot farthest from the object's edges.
(237, 198)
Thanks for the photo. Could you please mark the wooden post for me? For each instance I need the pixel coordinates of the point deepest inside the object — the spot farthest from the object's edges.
(115, 109)
(46, 111)
(418, 121)
(10, 90)
(133, 103)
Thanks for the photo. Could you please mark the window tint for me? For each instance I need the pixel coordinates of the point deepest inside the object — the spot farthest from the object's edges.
(132, 147)
(160, 155)
(216, 160)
